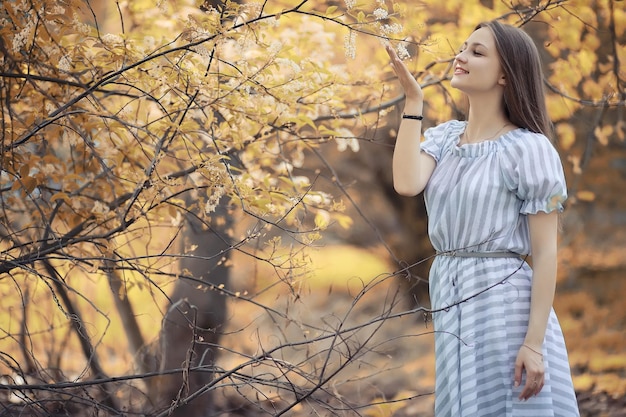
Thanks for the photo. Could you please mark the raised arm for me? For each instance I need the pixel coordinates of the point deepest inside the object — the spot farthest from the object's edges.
(411, 167)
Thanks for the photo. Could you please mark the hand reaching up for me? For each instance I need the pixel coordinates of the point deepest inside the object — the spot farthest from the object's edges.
(412, 89)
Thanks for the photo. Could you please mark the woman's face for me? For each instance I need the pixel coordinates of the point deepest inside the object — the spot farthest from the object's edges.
(477, 66)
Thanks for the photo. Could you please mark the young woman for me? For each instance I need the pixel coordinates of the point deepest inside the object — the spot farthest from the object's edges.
(494, 185)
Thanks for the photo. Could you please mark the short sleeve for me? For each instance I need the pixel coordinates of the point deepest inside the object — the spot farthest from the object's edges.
(535, 174)
(437, 138)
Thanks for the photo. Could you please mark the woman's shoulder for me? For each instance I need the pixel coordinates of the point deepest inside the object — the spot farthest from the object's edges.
(439, 139)
(521, 141)
(531, 167)
(525, 155)
(445, 131)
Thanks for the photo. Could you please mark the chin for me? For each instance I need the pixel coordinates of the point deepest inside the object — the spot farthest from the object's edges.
(456, 83)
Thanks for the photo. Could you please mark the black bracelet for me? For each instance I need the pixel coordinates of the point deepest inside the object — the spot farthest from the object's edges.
(412, 117)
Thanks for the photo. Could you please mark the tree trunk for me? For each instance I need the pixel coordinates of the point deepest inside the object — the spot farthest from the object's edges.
(191, 327)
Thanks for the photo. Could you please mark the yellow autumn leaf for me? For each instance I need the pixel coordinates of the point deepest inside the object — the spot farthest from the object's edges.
(610, 382)
(586, 195)
(62, 196)
(584, 382)
(559, 108)
(322, 219)
(591, 43)
(607, 363)
(566, 135)
(344, 220)
(603, 133)
(587, 60)
(593, 89)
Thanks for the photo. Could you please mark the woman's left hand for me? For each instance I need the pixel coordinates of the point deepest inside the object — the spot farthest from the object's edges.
(530, 361)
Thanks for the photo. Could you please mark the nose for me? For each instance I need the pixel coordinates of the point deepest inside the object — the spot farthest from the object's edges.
(460, 57)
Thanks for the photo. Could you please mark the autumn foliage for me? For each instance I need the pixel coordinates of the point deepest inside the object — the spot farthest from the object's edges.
(124, 124)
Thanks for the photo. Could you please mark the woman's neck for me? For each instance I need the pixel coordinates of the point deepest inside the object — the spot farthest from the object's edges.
(486, 119)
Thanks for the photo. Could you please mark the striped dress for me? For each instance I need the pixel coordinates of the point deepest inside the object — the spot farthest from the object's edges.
(477, 200)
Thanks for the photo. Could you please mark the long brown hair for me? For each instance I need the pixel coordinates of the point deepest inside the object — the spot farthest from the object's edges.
(524, 97)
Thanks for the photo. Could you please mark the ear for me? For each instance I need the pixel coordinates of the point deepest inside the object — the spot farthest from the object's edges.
(502, 80)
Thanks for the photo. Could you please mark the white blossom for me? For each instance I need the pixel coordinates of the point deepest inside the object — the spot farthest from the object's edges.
(65, 63)
(272, 22)
(403, 53)
(271, 208)
(391, 29)
(350, 45)
(347, 140)
(49, 107)
(284, 167)
(110, 39)
(21, 38)
(350, 4)
(380, 13)
(301, 181)
(176, 221)
(295, 86)
(297, 159)
(202, 50)
(213, 200)
(288, 62)
(319, 198)
(253, 8)
(275, 47)
(99, 208)
(48, 169)
(345, 143)
(56, 10)
(81, 27)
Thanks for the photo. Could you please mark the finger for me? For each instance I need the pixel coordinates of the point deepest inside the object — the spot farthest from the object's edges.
(524, 394)
(529, 389)
(533, 386)
(389, 51)
(539, 389)
(392, 52)
(518, 374)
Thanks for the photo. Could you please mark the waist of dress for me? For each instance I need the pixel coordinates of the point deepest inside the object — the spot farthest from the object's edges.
(468, 254)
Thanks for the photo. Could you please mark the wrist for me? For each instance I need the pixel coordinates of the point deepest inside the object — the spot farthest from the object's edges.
(535, 350)
(413, 110)
(537, 345)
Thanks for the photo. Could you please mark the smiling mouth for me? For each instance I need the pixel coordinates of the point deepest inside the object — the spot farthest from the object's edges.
(460, 71)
